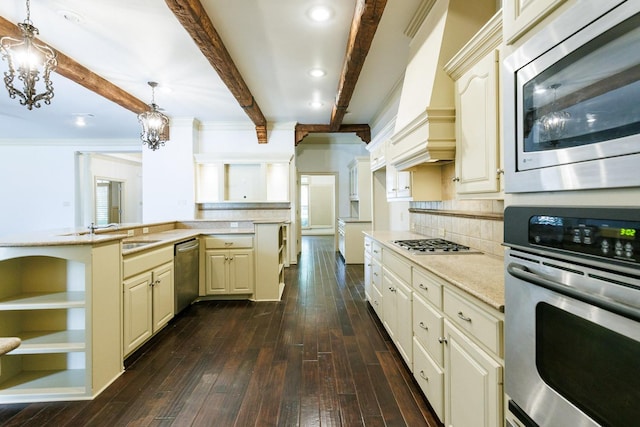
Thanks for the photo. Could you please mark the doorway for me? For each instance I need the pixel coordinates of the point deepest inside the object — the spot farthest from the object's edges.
(317, 204)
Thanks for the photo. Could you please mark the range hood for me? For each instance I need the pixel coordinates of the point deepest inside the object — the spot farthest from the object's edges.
(425, 125)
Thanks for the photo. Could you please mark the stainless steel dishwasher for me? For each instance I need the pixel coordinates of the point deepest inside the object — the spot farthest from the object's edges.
(185, 264)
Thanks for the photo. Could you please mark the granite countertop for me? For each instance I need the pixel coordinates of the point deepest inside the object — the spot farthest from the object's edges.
(479, 275)
(174, 232)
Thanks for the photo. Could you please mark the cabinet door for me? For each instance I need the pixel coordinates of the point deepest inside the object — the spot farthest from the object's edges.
(473, 383)
(521, 15)
(390, 183)
(477, 128)
(137, 311)
(389, 303)
(241, 272)
(367, 275)
(163, 301)
(404, 324)
(403, 183)
(216, 272)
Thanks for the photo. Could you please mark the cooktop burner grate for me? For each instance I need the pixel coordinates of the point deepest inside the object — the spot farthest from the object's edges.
(433, 246)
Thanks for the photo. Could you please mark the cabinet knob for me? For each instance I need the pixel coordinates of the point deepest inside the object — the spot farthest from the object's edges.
(442, 340)
(406, 187)
(230, 258)
(456, 179)
(500, 171)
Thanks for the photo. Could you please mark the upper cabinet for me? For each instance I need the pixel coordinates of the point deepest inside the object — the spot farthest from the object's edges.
(521, 15)
(360, 187)
(423, 183)
(236, 179)
(475, 71)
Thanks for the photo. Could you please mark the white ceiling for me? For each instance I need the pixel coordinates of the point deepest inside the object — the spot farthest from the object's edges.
(272, 42)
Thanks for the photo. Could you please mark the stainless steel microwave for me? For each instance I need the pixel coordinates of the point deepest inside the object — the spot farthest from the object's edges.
(571, 101)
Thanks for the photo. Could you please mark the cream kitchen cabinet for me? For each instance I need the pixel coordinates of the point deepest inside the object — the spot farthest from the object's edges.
(478, 155)
(521, 16)
(422, 183)
(148, 305)
(396, 302)
(229, 265)
(148, 295)
(63, 302)
(473, 351)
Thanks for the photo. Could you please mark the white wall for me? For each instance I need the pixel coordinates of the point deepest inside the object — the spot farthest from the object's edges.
(317, 157)
(38, 188)
(168, 180)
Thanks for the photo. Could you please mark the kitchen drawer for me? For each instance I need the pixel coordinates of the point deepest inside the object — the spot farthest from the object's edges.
(376, 302)
(474, 320)
(138, 263)
(368, 245)
(376, 250)
(428, 286)
(430, 378)
(428, 328)
(228, 242)
(376, 275)
(397, 266)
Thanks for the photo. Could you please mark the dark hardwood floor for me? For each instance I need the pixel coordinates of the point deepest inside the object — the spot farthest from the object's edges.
(317, 358)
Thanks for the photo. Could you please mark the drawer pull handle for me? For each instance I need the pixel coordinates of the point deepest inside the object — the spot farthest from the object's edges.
(421, 286)
(376, 302)
(424, 376)
(228, 243)
(442, 340)
(368, 265)
(392, 289)
(375, 274)
(375, 252)
(463, 317)
(423, 326)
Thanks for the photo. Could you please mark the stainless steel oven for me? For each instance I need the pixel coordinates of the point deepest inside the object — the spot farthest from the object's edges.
(572, 316)
(572, 116)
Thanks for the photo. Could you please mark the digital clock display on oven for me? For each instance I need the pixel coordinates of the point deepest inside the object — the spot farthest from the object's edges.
(619, 233)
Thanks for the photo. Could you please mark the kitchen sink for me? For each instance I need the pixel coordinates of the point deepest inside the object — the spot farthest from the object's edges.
(131, 244)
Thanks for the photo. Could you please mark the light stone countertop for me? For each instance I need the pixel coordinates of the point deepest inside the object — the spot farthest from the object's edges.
(479, 275)
(183, 231)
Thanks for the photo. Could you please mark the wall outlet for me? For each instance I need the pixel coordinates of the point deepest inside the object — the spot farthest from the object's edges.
(130, 233)
(441, 232)
(145, 230)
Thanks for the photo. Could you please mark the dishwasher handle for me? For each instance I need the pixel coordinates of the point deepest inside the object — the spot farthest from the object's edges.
(182, 247)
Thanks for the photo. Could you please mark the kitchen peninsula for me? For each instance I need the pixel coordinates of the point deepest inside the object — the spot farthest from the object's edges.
(66, 296)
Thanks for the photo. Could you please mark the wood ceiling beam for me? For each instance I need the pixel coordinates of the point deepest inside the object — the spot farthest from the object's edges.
(363, 131)
(363, 27)
(193, 17)
(70, 69)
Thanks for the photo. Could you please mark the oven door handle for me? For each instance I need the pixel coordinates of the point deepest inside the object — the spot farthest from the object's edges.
(523, 273)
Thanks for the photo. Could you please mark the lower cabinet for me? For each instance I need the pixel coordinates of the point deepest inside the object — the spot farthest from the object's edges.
(229, 271)
(473, 382)
(148, 305)
(452, 342)
(148, 295)
(229, 265)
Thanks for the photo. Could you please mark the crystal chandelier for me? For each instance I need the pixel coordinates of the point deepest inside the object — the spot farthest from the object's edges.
(153, 123)
(29, 61)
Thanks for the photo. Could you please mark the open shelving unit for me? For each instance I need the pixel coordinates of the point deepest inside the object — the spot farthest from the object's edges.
(68, 351)
(43, 302)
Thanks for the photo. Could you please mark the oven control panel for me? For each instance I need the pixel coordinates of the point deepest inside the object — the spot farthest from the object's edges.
(606, 238)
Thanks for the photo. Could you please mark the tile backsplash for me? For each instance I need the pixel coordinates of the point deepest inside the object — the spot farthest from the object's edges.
(475, 223)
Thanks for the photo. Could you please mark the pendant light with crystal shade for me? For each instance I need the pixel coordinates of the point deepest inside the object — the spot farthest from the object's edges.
(32, 64)
(154, 123)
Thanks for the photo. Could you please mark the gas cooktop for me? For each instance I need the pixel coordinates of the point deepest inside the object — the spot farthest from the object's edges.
(433, 246)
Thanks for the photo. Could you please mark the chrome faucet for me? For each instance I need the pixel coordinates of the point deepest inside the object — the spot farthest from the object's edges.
(93, 227)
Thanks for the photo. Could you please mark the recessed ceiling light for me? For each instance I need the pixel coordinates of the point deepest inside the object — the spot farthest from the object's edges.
(70, 16)
(317, 72)
(320, 13)
(316, 104)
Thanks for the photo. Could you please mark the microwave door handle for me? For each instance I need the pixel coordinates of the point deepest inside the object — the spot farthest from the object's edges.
(523, 273)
